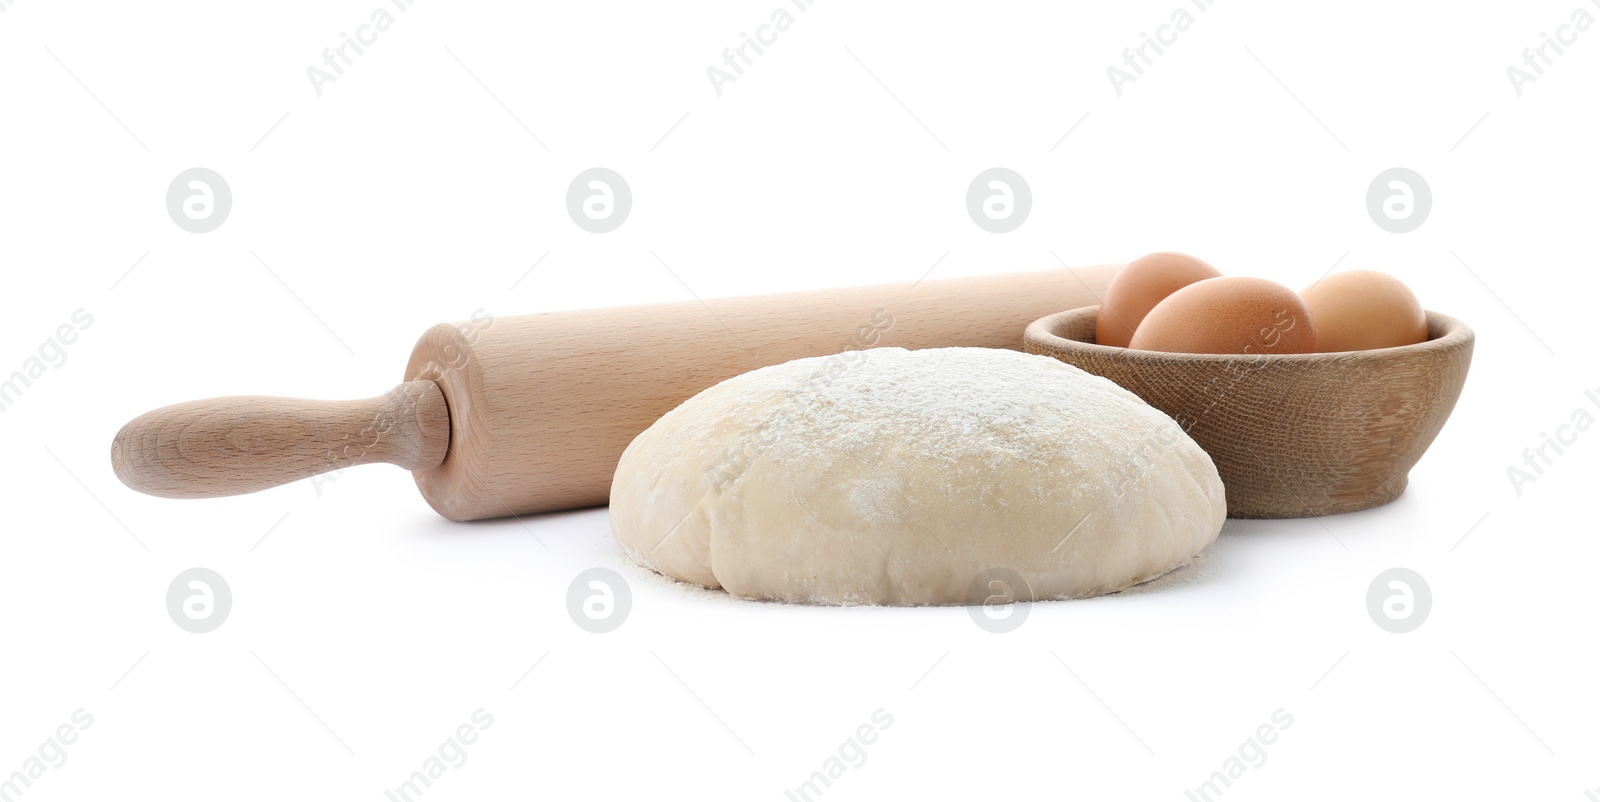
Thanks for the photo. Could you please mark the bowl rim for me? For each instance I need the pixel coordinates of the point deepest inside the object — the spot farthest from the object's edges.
(1445, 334)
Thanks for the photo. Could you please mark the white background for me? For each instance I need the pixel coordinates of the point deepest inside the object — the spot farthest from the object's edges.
(416, 189)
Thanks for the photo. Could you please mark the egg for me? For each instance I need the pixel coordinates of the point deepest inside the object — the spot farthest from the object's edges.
(1229, 315)
(1137, 288)
(1362, 309)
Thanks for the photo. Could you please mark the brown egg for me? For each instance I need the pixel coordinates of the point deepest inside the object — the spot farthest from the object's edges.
(1361, 309)
(1137, 288)
(1229, 315)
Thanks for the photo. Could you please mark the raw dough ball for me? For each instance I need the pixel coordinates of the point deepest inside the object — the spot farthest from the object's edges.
(896, 477)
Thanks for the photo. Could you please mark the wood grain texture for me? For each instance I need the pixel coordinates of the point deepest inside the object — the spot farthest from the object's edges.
(1292, 435)
(542, 406)
(226, 446)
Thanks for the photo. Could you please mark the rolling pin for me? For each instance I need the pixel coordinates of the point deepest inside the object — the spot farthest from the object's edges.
(529, 414)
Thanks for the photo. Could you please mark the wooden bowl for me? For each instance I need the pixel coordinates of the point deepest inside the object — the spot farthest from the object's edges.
(1293, 435)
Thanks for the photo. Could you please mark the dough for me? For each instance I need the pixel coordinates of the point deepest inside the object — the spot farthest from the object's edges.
(897, 477)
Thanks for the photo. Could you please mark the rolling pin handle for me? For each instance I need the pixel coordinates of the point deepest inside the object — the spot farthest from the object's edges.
(228, 446)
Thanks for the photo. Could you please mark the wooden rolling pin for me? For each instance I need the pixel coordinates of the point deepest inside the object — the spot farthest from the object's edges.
(527, 414)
